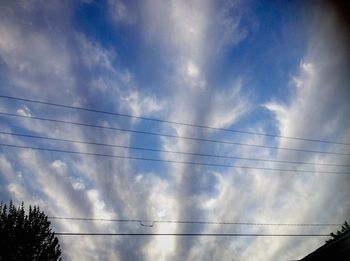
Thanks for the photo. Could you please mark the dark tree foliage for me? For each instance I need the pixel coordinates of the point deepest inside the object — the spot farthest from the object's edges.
(345, 229)
(26, 237)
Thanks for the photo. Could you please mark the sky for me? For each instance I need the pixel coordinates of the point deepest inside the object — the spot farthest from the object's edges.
(260, 67)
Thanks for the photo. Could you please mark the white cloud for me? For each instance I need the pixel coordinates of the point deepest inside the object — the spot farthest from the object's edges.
(78, 185)
(141, 105)
(50, 72)
(192, 70)
(189, 34)
(228, 106)
(28, 69)
(6, 168)
(93, 55)
(98, 204)
(183, 31)
(59, 166)
(25, 111)
(121, 13)
(319, 109)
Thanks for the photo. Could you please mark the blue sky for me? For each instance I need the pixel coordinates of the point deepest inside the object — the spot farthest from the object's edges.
(276, 67)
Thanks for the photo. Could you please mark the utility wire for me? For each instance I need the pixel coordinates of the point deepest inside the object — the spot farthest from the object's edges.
(170, 135)
(142, 222)
(191, 234)
(169, 151)
(173, 161)
(168, 121)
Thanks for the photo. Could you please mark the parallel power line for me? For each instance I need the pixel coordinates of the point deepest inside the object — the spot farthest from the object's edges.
(174, 161)
(171, 135)
(171, 151)
(190, 234)
(169, 121)
(150, 223)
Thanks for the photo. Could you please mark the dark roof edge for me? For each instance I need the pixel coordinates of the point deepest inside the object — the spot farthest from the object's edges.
(325, 246)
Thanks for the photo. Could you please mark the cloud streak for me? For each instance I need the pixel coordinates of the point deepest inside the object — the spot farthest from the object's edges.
(45, 57)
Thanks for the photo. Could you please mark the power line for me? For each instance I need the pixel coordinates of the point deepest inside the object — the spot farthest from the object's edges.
(170, 122)
(171, 136)
(191, 234)
(170, 151)
(173, 161)
(142, 222)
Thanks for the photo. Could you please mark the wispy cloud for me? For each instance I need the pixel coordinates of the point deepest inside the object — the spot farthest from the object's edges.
(46, 57)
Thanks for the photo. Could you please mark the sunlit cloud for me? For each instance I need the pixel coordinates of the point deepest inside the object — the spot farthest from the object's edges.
(186, 62)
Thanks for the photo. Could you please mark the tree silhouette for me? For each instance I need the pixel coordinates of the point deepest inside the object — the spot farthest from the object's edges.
(345, 229)
(26, 237)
